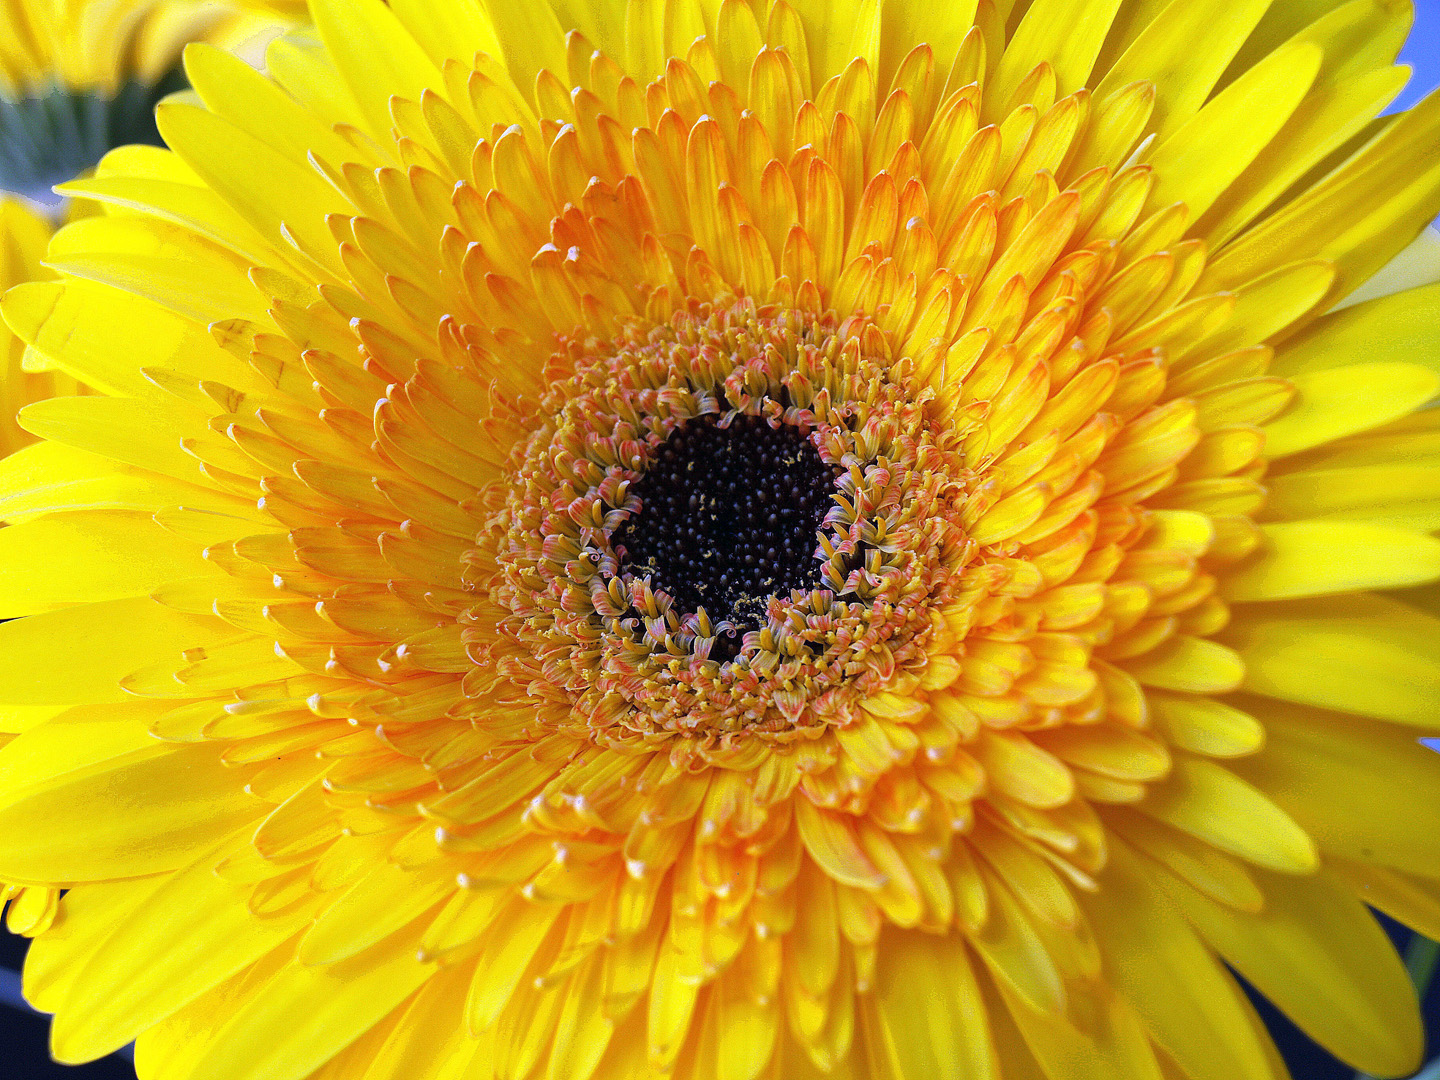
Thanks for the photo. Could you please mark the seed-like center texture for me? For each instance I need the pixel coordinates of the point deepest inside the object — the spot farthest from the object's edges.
(728, 518)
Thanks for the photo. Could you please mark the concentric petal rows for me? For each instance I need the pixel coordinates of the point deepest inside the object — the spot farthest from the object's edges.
(1023, 854)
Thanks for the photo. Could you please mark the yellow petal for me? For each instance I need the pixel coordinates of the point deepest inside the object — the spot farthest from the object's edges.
(1017, 958)
(104, 337)
(195, 208)
(80, 654)
(59, 956)
(66, 559)
(1321, 957)
(1266, 306)
(1190, 664)
(1401, 495)
(427, 1038)
(905, 24)
(1364, 790)
(376, 906)
(175, 1048)
(140, 433)
(1331, 114)
(830, 839)
(1356, 82)
(1010, 1046)
(670, 1007)
(1416, 266)
(1217, 875)
(1213, 804)
(449, 30)
(1342, 218)
(929, 1009)
(264, 186)
(1206, 154)
(231, 88)
(1203, 725)
(146, 811)
(583, 1032)
(305, 1016)
(1108, 749)
(15, 719)
(1018, 767)
(1411, 440)
(831, 32)
(377, 57)
(530, 37)
(194, 932)
(1313, 558)
(517, 933)
(1373, 656)
(1154, 959)
(1393, 329)
(1108, 1040)
(1408, 898)
(1184, 50)
(1341, 401)
(49, 476)
(1067, 35)
(160, 262)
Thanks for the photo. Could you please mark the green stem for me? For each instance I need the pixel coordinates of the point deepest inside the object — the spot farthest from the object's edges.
(1421, 958)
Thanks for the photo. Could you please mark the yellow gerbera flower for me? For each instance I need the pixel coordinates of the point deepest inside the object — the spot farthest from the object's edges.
(78, 77)
(742, 540)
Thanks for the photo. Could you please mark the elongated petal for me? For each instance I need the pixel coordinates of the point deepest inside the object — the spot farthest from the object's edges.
(1211, 803)
(1379, 659)
(192, 933)
(1313, 935)
(1355, 785)
(305, 1015)
(53, 658)
(1312, 558)
(143, 812)
(120, 554)
(1175, 984)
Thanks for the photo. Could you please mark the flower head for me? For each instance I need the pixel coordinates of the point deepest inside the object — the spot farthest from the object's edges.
(759, 540)
(80, 77)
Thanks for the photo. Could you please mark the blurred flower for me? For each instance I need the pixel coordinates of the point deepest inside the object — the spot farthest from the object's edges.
(658, 539)
(80, 77)
(77, 78)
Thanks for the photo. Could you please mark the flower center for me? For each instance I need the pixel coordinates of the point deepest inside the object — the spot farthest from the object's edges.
(739, 521)
(729, 517)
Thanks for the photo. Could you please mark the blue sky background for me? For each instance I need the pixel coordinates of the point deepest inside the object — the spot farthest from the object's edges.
(1422, 52)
